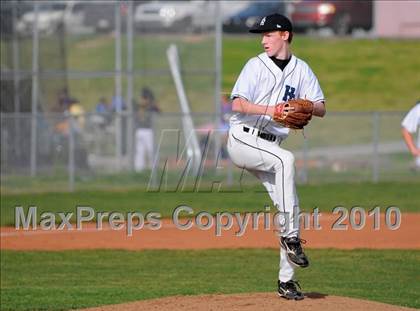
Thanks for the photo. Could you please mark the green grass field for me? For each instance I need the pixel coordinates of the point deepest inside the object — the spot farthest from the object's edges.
(403, 195)
(75, 279)
(355, 74)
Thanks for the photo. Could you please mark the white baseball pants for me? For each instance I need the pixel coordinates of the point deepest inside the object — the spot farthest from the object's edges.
(275, 167)
(144, 149)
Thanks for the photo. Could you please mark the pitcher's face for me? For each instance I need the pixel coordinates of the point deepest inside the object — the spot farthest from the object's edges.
(274, 41)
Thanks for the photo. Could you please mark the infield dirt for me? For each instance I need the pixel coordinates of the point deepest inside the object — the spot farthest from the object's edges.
(171, 237)
(251, 302)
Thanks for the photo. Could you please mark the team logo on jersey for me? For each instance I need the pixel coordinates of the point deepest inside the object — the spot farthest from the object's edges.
(289, 93)
(262, 22)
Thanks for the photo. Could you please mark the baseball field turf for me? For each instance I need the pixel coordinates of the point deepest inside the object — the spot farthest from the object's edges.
(367, 195)
(81, 278)
(76, 279)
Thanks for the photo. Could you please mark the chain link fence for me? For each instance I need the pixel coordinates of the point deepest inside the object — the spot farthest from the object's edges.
(63, 62)
(78, 152)
(72, 78)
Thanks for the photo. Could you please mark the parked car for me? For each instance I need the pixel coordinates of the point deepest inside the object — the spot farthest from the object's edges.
(246, 18)
(183, 16)
(100, 16)
(52, 15)
(341, 16)
(49, 17)
(167, 15)
(7, 11)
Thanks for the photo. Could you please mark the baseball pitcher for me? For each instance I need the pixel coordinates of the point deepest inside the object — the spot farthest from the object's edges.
(275, 92)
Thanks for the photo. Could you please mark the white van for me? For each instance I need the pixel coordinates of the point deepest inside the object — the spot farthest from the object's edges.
(51, 15)
(183, 16)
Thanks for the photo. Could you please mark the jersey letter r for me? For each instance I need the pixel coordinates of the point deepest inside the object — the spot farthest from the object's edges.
(289, 93)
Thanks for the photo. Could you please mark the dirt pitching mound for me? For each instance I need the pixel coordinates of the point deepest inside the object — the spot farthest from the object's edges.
(251, 302)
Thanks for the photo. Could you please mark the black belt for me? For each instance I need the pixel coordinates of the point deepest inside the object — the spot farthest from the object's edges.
(260, 134)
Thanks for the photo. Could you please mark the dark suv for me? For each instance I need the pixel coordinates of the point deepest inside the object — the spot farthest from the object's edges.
(341, 16)
(242, 21)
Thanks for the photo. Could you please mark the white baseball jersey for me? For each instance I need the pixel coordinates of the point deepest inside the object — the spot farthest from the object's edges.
(262, 82)
(411, 123)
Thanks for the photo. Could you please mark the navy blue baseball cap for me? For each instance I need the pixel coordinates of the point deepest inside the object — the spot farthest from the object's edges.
(273, 22)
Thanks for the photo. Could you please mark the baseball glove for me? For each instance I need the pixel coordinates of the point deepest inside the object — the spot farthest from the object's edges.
(294, 114)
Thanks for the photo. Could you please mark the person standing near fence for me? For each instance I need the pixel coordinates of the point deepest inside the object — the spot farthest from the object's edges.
(410, 126)
(144, 139)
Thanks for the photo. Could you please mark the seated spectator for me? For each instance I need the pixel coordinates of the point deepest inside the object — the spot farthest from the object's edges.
(78, 113)
(102, 106)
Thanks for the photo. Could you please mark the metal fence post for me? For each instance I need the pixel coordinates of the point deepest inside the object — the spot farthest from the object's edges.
(218, 78)
(16, 79)
(118, 86)
(71, 164)
(375, 146)
(4, 139)
(130, 121)
(230, 174)
(155, 160)
(34, 106)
